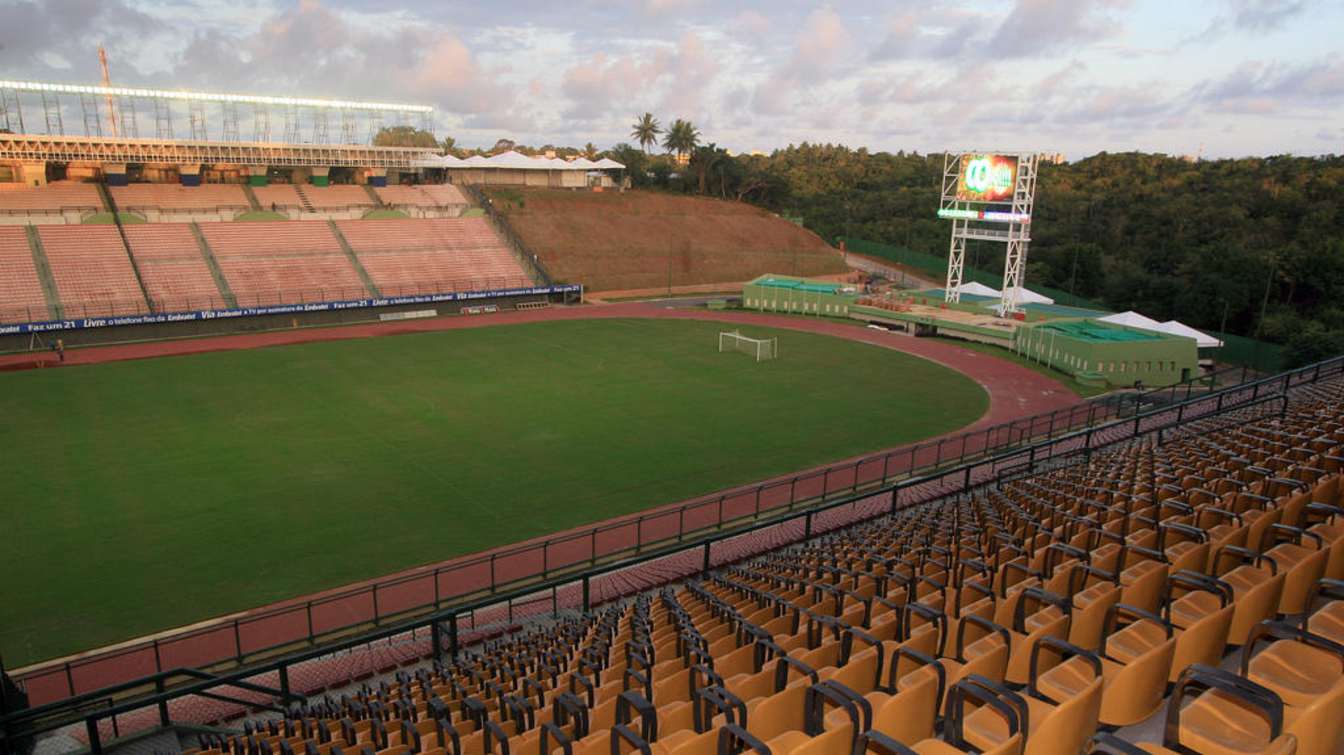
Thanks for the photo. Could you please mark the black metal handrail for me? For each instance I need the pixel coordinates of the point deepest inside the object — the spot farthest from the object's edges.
(505, 229)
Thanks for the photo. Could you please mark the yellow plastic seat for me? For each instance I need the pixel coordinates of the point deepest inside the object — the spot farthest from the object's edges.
(1233, 716)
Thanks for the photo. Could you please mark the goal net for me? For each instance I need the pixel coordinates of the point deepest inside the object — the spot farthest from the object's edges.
(759, 348)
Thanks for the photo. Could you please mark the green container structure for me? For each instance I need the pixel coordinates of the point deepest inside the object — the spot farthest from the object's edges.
(1101, 353)
(782, 293)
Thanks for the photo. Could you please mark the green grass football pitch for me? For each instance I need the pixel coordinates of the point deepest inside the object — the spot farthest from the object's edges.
(150, 494)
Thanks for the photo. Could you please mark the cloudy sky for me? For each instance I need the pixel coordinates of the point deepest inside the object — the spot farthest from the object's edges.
(1225, 77)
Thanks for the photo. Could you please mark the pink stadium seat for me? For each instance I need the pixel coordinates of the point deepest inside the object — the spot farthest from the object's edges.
(418, 256)
(54, 197)
(279, 196)
(337, 197)
(427, 195)
(21, 297)
(260, 281)
(175, 197)
(283, 262)
(93, 273)
(172, 267)
(262, 239)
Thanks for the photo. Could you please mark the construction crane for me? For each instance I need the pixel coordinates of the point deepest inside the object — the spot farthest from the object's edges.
(107, 82)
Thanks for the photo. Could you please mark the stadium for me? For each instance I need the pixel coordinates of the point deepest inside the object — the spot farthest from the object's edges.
(344, 447)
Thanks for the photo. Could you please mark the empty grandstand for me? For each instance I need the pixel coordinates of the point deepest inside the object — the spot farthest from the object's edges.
(92, 271)
(55, 202)
(168, 202)
(174, 269)
(424, 256)
(21, 295)
(282, 263)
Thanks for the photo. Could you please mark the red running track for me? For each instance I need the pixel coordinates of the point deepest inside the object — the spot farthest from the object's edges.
(1014, 391)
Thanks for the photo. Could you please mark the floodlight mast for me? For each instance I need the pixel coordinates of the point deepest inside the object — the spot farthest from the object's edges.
(971, 220)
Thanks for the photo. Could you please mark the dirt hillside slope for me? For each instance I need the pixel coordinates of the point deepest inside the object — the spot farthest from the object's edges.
(640, 239)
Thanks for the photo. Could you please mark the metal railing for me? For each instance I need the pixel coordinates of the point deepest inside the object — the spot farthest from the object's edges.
(308, 622)
(723, 543)
(502, 226)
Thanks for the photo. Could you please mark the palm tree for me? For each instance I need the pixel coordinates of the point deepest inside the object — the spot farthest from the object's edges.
(590, 151)
(646, 131)
(682, 138)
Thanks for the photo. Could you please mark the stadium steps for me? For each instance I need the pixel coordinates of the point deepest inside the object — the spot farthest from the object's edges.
(252, 198)
(377, 200)
(216, 272)
(354, 258)
(125, 243)
(304, 201)
(54, 308)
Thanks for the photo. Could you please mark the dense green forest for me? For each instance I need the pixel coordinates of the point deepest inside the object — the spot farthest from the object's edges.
(1252, 246)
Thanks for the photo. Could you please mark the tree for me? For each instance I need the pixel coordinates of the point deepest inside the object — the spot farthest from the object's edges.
(682, 138)
(636, 162)
(590, 151)
(404, 136)
(449, 145)
(646, 131)
(703, 161)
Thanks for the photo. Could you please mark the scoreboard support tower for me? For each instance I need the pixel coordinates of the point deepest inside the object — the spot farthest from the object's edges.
(989, 196)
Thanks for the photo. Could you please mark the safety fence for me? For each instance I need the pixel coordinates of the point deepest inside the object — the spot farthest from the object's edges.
(153, 675)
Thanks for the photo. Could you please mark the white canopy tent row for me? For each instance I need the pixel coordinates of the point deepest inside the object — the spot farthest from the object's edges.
(515, 169)
(516, 161)
(1170, 327)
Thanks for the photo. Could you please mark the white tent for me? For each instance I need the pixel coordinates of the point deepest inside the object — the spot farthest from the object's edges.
(1202, 340)
(1170, 327)
(1134, 320)
(977, 289)
(1027, 296)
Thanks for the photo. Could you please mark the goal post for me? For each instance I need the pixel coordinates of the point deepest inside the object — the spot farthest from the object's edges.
(760, 349)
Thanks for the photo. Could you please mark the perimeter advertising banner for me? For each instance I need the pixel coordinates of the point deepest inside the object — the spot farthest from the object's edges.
(987, 178)
(279, 309)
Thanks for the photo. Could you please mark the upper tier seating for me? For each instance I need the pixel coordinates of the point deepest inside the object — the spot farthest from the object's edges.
(137, 197)
(337, 197)
(1021, 619)
(438, 255)
(283, 262)
(277, 196)
(52, 198)
(21, 297)
(172, 267)
(276, 238)
(425, 195)
(93, 274)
